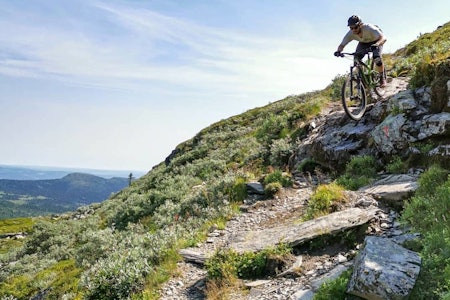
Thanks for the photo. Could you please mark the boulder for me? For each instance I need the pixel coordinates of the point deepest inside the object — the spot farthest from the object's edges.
(435, 125)
(389, 135)
(255, 188)
(384, 270)
(393, 189)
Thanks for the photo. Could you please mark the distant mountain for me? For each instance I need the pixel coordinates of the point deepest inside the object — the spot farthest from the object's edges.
(40, 172)
(19, 198)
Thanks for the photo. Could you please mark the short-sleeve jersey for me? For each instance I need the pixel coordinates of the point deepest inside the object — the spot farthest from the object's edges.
(369, 33)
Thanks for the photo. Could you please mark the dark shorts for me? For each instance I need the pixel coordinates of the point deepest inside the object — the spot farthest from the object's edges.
(363, 48)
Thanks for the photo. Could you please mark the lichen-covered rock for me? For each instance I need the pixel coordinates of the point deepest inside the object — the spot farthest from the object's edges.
(384, 270)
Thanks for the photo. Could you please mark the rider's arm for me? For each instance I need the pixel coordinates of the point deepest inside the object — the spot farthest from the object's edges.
(381, 40)
(347, 39)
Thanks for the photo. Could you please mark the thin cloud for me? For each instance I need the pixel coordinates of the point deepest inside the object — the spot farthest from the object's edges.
(148, 48)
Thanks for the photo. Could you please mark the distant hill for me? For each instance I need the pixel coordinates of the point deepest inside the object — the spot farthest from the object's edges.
(40, 172)
(19, 198)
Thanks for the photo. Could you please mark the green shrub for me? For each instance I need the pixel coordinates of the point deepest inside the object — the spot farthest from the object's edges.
(272, 188)
(359, 171)
(278, 176)
(307, 165)
(280, 151)
(431, 179)
(334, 289)
(322, 200)
(353, 183)
(396, 166)
(238, 191)
(273, 127)
(336, 86)
(124, 270)
(364, 165)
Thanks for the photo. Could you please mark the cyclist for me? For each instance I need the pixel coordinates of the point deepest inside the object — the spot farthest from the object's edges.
(370, 37)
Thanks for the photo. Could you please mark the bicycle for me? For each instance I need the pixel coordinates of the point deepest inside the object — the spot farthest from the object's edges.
(362, 77)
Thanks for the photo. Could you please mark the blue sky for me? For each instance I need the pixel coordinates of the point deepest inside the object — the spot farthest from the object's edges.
(118, 84)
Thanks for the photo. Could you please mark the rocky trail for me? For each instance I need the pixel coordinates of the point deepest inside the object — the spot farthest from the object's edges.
(260, 220)
(311, 269)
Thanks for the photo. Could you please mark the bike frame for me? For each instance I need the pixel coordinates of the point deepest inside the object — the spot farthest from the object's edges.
(365, 71)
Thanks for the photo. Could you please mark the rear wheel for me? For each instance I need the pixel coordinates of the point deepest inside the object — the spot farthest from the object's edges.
(377, 80)
(354, 98)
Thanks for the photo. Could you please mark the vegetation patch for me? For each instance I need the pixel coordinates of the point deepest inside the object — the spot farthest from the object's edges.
(359, 171)
(396, 166)
(275, 181)
(230, 264)
(428, 212)
(334, 289)
(325, 199)
(16, 225)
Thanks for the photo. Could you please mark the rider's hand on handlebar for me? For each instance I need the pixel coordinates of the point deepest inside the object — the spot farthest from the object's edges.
(337, 53)
(373, 47)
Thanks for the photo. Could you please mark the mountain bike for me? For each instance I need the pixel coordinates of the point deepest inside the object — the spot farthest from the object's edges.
(362, 79)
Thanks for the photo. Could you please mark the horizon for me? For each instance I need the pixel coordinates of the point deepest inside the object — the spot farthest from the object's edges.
(45, 172)
(117, 85)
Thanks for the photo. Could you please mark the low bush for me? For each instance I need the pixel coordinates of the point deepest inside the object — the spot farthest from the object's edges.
(334, 289)
(272, 188)
(322, 200)
(396, 166)
(278, 176)
(360, 171)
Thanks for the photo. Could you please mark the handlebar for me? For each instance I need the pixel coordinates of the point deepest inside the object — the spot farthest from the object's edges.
(363, 53)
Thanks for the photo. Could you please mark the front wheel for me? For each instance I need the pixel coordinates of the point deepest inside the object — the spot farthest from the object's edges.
(354, 98)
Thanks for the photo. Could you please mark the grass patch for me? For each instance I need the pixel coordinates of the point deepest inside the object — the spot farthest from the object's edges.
(324, 200)
(62, 277)
(16, 225)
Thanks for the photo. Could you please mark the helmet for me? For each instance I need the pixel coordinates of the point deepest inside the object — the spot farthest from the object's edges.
(354, 20)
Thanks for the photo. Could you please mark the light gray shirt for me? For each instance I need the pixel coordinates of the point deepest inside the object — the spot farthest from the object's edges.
(369, 33)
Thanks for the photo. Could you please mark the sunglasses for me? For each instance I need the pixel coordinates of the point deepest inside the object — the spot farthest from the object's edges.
(353, 27)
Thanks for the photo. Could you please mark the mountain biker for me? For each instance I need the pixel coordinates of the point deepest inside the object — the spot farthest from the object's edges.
(370, 37)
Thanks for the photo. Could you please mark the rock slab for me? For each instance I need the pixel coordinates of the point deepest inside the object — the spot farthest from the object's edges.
(296, 234)
(384, 270)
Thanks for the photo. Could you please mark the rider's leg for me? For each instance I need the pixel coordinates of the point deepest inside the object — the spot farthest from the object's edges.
(379, 65)
(362, 49)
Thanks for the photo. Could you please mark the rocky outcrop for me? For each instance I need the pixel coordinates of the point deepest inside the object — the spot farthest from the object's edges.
(384, 270)
(389, 127)
(335, 138)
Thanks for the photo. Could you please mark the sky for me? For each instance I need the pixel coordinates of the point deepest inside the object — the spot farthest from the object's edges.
(117, 85)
